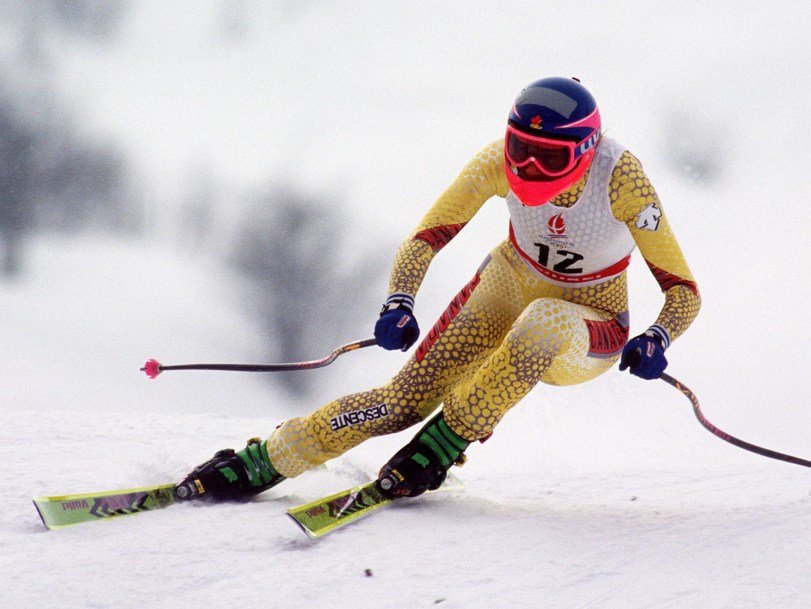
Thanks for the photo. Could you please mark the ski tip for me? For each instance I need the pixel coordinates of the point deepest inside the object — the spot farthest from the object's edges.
(307, 531)
(41, 515)
(152, 368)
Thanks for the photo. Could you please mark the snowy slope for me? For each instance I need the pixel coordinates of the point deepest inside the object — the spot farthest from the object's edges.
(607, 495)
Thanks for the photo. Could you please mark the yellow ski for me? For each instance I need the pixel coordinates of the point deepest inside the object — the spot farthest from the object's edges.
(322, 516)
(66, 510)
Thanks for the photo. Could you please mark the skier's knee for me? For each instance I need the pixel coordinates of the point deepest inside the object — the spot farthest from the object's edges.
(541, 328)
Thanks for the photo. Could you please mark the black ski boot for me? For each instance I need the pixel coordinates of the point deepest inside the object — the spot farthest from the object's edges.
(422, 464)
(231, 475)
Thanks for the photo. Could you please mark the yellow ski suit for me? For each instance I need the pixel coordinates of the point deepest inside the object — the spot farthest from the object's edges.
(549, 304)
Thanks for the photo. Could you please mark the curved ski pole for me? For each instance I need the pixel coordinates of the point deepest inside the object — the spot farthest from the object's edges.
(724, 435)
(153, 368)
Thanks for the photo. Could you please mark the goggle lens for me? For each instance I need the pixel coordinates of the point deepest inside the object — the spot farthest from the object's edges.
(552, 157)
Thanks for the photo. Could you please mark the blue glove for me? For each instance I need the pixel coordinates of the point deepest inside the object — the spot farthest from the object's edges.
(645, 354)
(396, 328)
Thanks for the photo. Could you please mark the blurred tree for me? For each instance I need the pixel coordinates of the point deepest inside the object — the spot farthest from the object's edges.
(52, 179)
(294, 251)
(16, 144)
(78, 183)
(692, 144)
(49, 175)
(37, 22)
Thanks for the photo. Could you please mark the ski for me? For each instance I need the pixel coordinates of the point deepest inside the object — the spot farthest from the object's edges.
(67, 510)
(315, 519)
(327, 514)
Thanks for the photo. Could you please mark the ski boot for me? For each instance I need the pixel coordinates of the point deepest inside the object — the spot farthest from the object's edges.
(422, 464)
(231, 475)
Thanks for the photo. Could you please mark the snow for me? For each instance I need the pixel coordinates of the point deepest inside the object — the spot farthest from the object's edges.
(604, 495)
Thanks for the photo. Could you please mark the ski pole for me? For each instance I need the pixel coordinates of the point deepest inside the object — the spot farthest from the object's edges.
(724, 435)
(153, 367)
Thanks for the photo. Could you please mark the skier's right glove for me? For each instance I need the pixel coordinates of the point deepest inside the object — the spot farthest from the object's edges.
(397, 328)
(422, 464)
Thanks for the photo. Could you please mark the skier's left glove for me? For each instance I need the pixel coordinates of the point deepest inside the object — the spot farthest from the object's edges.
(422, 464)
(644, 355)
(396, 328)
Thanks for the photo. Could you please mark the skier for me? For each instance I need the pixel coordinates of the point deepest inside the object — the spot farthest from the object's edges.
(548, 304)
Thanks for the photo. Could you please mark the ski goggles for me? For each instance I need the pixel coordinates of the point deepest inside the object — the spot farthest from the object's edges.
(552, 157)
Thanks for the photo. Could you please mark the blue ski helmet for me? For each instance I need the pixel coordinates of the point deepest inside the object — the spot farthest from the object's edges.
(555, 125)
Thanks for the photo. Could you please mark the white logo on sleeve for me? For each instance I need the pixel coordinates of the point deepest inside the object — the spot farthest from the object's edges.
(648, 218)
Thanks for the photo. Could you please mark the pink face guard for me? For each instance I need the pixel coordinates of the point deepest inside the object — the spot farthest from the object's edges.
(560, 164)
(553, 158)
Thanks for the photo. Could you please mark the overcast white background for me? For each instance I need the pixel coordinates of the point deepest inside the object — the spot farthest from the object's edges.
(605, 495)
